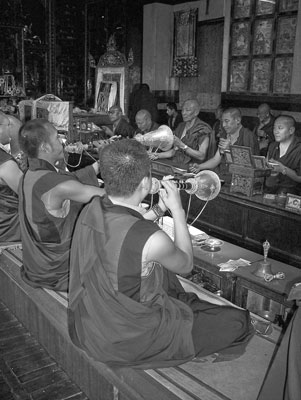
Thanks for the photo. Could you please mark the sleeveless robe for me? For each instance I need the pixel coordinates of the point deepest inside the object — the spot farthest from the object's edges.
(116, 316)
(9, 218)
(46, 239)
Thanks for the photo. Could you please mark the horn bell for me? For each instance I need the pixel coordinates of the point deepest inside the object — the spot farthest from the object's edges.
(162, 138)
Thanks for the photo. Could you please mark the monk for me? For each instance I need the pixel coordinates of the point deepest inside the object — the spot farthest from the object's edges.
(126, 304)
(49, 203)
(10, 174)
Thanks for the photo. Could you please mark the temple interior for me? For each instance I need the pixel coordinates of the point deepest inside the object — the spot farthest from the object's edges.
(212, 90)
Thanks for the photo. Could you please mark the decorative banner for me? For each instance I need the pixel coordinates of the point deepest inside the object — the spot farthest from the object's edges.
(185, 62)
(260, 76)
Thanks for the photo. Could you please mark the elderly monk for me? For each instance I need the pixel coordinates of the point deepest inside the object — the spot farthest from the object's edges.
(49, 203)
(10, 175)
(191, 140)
(126, 304)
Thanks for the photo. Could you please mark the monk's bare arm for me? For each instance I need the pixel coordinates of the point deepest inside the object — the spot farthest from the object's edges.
(10, 174)
(72, 190)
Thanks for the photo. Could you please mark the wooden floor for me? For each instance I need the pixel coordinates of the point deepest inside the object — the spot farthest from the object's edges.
(26, 369)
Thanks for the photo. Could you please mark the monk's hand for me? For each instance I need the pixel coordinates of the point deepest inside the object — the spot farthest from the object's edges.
(277, 166)
(153, 156)
(195, 168)
(170, 195)
(178, 143)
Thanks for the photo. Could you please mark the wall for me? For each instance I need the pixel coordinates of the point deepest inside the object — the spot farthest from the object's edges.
(158, 33)
(158, 52)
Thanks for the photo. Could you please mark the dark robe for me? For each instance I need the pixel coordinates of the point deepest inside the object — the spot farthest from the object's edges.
(193, 138)
(121, 318)
(114, 315)
(269, 135)
(173, 123)
(9, 217)
(291, 159)
(246, 138)
(124, 129)
(46, 239)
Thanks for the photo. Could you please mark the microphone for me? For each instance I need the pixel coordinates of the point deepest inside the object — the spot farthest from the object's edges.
(190, 185)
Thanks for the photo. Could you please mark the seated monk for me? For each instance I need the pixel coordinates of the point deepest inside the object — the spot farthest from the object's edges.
(285, 154)
(192, 140)
(10, 175)
(234, 134)
(49, 203)
(126, 304)
(121, 126)
(144, 122)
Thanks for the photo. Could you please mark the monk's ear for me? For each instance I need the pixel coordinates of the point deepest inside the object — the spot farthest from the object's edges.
(292, 130)
(145, 183)
(45, 147)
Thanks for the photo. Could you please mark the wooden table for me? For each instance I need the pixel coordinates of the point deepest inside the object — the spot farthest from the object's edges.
(242, 287)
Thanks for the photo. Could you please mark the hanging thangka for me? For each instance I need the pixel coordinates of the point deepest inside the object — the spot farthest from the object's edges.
(185, 62)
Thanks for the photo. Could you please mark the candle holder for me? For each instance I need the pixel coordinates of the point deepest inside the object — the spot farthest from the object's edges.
(264, 267)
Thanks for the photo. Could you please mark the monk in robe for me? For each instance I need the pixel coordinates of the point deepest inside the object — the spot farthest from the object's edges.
(194, 140)
(10, 175)
(49, 203)
(126, 304)
(233, 134)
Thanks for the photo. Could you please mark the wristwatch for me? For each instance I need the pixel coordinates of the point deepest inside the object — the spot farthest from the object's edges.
(284, 171)
(185, 147)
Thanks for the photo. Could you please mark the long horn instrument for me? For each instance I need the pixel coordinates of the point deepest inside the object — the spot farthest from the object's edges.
(162, 138)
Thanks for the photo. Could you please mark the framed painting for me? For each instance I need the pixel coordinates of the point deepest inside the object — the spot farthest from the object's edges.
(264, 7)
(238, 76)
(263, 36)
(242, 8)
(240, 41)
(288, 5)
(286, 32)
(260, 75)
(185, 32)
(283, 75)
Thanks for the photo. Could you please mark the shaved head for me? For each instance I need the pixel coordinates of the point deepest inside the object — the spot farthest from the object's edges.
(287, 120)
(234, 112)
(264, 108)
(9, 128)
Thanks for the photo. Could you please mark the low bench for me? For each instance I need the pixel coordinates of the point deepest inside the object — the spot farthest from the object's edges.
(44, 313)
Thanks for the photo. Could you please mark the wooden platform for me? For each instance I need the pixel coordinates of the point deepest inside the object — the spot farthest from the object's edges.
(44, 314)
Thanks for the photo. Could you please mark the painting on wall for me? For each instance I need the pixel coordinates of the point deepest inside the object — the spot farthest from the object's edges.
(260, 76)
(286, 32)
(185, 62)
(289, 5)
(240, 39)
(238, 76)
(263, 36)
(283, 74)
(264, 7)
(241, 8)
